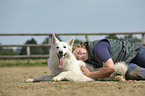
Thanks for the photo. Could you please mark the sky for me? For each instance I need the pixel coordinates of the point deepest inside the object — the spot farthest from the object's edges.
(69, 16)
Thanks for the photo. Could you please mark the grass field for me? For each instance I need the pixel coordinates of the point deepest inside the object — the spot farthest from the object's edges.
(12, 83)
(23, 62)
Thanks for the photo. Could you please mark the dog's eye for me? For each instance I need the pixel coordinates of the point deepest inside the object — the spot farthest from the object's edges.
(57, 47)
(64, 46)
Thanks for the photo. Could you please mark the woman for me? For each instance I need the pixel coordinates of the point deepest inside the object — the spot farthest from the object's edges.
(104, 53)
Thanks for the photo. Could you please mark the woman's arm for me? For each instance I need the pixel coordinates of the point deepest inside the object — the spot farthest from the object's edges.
(105, 71)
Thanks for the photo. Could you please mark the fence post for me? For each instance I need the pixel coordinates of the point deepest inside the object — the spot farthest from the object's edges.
(28, 54)
(87, 38)
(143, 39)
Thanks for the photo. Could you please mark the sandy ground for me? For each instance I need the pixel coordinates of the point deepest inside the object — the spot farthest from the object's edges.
(12, 83)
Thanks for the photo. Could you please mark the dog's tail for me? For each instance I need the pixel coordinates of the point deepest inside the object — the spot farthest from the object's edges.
(121, 68)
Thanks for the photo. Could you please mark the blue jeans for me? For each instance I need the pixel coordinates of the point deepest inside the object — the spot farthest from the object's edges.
(136, 69)
(140, 58)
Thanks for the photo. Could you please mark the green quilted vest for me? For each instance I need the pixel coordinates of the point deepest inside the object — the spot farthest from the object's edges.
(119, 51)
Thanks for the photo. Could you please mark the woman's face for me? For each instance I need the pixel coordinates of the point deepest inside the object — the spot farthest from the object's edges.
(81, 54)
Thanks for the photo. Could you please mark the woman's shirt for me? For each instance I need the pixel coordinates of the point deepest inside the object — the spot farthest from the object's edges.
(101, 51)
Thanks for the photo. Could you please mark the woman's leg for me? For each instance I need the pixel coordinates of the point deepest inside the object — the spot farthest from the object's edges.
(135, 72)
(140, 58)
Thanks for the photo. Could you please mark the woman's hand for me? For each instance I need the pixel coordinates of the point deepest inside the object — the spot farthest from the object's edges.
(85, 71)
(105, 71)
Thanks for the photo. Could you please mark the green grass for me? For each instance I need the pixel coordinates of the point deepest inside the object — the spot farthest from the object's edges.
(23, 63)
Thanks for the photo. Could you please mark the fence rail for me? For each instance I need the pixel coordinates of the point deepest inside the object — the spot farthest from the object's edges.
(46, 34)
(25, 56)
(50, 34)
(25, 45)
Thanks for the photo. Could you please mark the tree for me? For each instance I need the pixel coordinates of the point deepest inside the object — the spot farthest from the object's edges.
(33, 50)
(8, 51)
(1, 48)
(126, 37)
(45, 49)
(46, 41)
(131, 38)
(112, 36)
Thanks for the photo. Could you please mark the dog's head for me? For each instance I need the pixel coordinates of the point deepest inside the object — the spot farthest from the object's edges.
(61, 48)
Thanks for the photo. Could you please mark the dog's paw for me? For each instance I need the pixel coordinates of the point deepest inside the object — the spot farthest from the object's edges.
(56, 78)
(119, 78)
(113, 75)
(29, 80)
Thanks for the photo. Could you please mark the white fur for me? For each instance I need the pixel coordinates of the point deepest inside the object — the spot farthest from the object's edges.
(71, 70)
(120, 68)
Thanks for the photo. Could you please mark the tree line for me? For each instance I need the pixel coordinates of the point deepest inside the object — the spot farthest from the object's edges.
(45, 50)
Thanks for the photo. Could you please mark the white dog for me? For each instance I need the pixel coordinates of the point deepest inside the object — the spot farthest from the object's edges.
(64, 65)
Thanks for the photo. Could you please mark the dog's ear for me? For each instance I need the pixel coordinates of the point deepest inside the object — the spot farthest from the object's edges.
(54, 39)
(71, 41)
